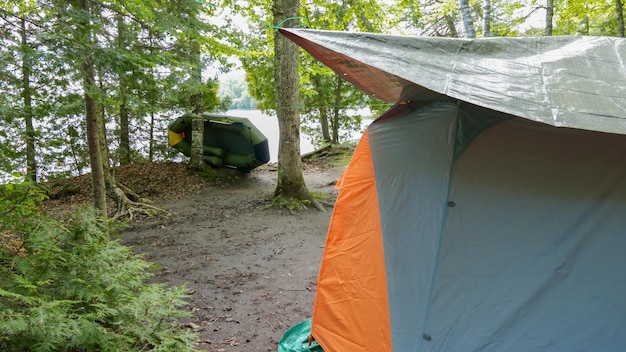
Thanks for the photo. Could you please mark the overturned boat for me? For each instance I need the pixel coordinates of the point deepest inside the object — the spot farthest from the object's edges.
(228, 141)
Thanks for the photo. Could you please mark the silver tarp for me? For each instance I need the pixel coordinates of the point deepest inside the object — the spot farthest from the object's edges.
(577, 82)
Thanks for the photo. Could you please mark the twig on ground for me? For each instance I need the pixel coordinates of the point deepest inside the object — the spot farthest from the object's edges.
(215, 319)
(294, 289)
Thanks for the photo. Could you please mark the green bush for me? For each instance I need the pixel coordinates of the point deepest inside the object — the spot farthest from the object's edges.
(70, 287)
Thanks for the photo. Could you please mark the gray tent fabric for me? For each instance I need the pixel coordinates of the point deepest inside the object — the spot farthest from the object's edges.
(562, 81)
(421, 171)
(535, 242)
(515, 246)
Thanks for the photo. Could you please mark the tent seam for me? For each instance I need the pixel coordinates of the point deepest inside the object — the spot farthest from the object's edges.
(439, 240)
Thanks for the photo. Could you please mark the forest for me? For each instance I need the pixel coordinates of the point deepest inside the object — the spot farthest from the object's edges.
(88, 86)
(85, 83)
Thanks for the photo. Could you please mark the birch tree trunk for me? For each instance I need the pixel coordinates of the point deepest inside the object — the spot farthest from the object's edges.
(487, 19)
(196, 160)
(466, 16)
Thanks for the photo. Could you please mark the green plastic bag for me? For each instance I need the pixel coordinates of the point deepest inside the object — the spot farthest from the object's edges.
(296, 339)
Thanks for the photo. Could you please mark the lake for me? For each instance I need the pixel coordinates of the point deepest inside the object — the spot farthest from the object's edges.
(268, 125)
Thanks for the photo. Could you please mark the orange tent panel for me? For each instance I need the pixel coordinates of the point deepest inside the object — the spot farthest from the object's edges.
(351, 311)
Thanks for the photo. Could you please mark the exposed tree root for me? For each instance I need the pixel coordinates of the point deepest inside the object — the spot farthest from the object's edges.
(295, 204)
(128, 208)
(130, 203)
(317, 204)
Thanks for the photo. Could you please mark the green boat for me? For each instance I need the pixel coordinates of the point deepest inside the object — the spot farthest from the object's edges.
(228, 141)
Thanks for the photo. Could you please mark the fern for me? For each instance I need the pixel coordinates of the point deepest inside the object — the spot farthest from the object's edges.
(73, 288)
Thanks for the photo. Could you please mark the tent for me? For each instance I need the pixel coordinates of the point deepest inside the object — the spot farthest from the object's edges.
(486, 210)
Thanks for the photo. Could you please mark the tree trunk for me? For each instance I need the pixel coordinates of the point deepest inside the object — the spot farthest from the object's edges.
(124, 121)
(335, 119)
(290, 183)
(619, 10)
(549, 16)
(151, 147)
(324, 124)
(73, 144)
(487, 19)
(31, 161)
(91, 117)
(466, 16)
(450, 23)
(196, 160)
(125, 153)
(126, 200)
(321, 99)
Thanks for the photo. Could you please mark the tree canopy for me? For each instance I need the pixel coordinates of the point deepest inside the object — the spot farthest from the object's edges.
(133, 66)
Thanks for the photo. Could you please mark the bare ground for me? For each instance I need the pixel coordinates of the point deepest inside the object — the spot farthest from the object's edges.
(250, 270)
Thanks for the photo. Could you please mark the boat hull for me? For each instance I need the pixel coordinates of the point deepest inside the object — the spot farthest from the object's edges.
(228, 141)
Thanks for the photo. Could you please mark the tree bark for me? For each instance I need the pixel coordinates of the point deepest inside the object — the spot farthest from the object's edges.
(27, 94)
(335, 119)
(126, 200)
(550, 16)
(151, 146)
(72, 135)
(125, 153)
(324, 124)
(196, 160)
(619, 10)
(321, 99)
(466, 16)
(290, 183)
(487, 19)
(91, 118)
(450, 23)
(124, 149)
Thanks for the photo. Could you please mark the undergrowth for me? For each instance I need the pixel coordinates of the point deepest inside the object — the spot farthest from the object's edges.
(296, 205)
(67, 286)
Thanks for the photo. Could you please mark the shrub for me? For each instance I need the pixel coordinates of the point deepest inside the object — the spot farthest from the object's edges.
(70, 287)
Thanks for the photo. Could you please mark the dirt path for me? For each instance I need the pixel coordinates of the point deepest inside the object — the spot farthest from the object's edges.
(250, 270)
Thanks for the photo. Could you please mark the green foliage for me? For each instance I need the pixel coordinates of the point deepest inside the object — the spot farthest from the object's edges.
(295, 205)
(70, 287)
(18, 202)
(292, 204)
(235, 91)
(143, 63)
(577, 17)
(259, 67)
(319, 195)
(326, 100)
(142, 55)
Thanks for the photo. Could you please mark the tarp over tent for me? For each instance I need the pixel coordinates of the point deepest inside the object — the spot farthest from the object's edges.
(468, 220)
(562, 81)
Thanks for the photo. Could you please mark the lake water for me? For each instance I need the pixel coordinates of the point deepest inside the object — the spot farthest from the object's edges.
(268, 125)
